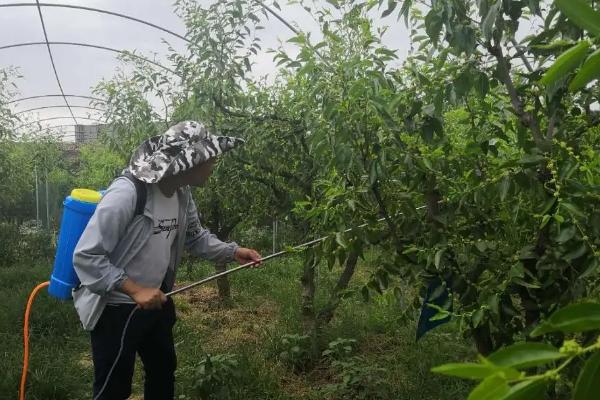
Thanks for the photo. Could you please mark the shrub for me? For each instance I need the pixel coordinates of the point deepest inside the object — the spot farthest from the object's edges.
(25, 243)
(295, 351)
(339, 349)
(356, 379)
(215, 376)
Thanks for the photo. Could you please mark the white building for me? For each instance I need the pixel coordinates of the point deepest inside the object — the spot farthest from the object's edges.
(87, 133)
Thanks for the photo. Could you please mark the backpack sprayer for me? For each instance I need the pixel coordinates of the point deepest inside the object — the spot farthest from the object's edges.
(78, 210)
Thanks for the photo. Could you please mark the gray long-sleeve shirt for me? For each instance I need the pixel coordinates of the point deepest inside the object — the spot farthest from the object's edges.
(114, 236)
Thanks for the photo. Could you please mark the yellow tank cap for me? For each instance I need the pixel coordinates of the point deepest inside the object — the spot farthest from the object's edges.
(87, 195)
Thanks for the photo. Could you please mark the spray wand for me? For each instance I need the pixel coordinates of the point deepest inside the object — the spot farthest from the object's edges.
(299, 247)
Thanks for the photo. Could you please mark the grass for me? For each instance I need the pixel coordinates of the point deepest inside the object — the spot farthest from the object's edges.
(267, 306)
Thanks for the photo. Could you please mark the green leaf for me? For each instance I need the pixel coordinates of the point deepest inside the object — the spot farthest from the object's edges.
(473, 370)
(534, 7)
(589, 71)
(391, 6)
(588, 382)
(440, 315)
(525, 355)
(491, 388)
(410, 250)
(481, 245)
(364, 291)
(545, 220)
(573, 210)
(591, 268)
(463, 83)
(487, 26)
(572, 318)
(581, 14)
(528, 390)
(494, 302)
(300, 39)
(477, 317)
(516, 271)
(575, 254)
(430, 127)
(420, 38)
(523, 283)
(392, 107)
(566, 234)
(339, 238)
(546, 49)
(548, 205)
(433, 25)
(531, 159)
(438, 257)
(334, 3)
(482, 83)
(440, 290)
(429, 110)
(375, 172)
(504, 187)
(404, 10)
(565, 63)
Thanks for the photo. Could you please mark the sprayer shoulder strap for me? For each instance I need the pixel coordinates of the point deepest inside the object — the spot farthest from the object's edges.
(140, 191)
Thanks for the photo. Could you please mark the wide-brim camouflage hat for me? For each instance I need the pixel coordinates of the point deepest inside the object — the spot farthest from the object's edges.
(179, 149)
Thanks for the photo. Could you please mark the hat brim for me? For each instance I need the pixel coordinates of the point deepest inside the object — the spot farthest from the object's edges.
(151, 167)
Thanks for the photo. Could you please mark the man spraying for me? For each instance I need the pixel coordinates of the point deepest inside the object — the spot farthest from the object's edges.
(128, 254)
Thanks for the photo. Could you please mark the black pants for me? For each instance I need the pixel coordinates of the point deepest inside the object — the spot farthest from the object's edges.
(150, 334)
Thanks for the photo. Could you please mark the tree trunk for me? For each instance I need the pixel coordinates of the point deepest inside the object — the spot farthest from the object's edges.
(483, 340)
(327, 312)
(223, 286)
(222, 230)
(308, 304)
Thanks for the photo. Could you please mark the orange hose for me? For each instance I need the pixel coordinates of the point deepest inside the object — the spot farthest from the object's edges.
(26, 338)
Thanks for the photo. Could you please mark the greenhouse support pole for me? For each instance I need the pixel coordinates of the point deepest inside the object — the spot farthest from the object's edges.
(47, 204)
(274, 234)
(37, 198)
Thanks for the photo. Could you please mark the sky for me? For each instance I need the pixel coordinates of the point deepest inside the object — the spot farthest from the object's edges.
(79, 69)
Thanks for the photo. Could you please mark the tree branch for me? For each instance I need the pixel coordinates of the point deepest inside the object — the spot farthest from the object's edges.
(551, 125)
(521, 54)
(526, 118)
(326, 313)
(278, 193)
(386, 215)
(305, 185)
(256, 118)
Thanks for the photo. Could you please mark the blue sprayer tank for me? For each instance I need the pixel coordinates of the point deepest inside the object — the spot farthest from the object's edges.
(78, 209)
